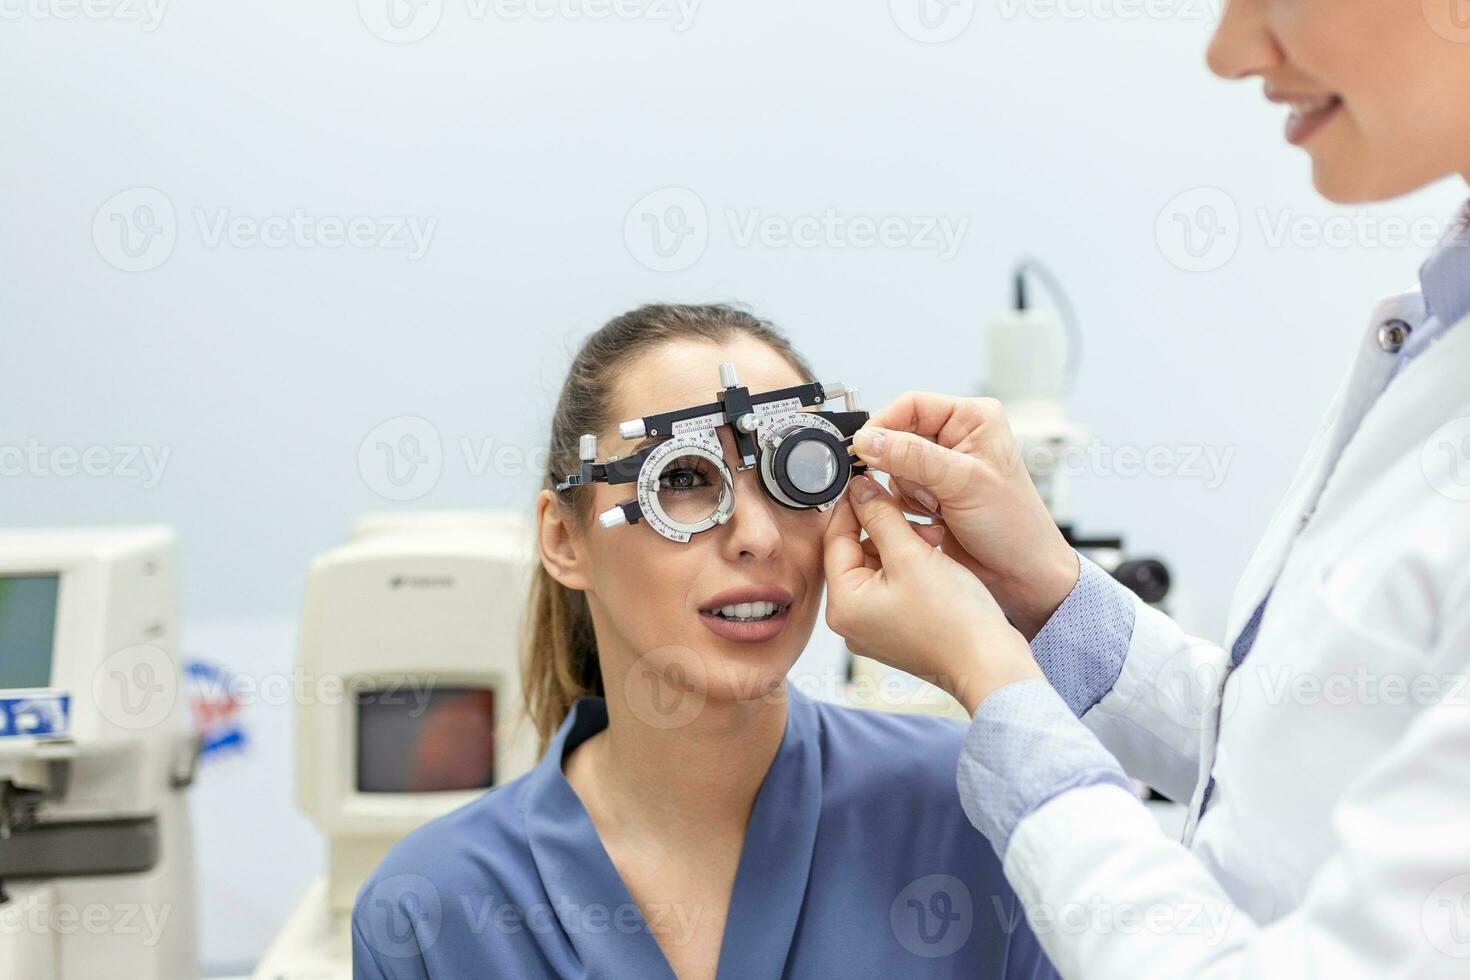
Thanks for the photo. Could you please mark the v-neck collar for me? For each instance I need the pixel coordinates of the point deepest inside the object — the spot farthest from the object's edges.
(593, 906)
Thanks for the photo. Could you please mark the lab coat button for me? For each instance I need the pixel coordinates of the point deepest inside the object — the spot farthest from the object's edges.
(1392, 334)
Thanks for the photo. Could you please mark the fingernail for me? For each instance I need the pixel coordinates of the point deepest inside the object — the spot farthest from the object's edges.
(862, 489)
(926, 498)
(869, 441)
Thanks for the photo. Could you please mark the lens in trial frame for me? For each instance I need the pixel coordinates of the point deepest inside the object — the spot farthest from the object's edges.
(811, 466)
(689, 488)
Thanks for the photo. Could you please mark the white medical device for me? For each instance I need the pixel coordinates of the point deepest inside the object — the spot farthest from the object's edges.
(96, 858)
(410, 645)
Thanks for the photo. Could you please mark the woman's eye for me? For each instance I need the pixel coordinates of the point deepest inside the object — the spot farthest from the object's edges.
(682, 479)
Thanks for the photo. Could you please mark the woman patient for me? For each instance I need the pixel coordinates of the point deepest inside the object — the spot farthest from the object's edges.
(691, 815)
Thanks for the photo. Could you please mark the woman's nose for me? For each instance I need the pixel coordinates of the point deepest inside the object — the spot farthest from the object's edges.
(753, 528)
(1243, 44)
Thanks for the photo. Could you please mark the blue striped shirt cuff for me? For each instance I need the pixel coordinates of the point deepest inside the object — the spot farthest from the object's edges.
(1024, 747)
(1082, 647)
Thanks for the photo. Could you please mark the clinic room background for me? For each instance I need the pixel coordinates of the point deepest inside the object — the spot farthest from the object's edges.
(247, 244)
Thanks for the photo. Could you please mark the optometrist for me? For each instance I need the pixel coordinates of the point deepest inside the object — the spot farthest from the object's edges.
(1324, 750)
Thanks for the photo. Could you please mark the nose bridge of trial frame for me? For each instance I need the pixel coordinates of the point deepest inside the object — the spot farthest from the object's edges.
(734, 406)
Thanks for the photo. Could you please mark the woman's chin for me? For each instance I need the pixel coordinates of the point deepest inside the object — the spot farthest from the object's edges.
(753, 672)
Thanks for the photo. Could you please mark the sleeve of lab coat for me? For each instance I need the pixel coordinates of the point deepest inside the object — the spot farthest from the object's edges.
(1166, 697)
(1110, 897)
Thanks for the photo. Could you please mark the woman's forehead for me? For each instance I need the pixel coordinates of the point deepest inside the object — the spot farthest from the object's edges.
(682, 375)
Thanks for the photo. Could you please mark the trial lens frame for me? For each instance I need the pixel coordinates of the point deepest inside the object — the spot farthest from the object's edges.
(766, 427)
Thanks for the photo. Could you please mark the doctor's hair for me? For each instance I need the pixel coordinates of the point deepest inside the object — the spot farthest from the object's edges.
(559, 662)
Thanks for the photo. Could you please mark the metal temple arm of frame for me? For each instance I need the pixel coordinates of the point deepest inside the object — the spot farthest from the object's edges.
(623, 470)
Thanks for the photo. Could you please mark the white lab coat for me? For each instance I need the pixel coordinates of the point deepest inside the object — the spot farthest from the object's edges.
(1336, 843)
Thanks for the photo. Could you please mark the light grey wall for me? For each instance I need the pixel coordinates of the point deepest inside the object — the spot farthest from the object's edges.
(261, 370)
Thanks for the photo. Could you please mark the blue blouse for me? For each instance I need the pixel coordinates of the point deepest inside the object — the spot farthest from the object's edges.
(858, 862)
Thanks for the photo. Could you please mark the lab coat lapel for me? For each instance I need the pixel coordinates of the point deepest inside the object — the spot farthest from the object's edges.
(1429, 392)
(592, 905)
(1353, 400)
(776, 860)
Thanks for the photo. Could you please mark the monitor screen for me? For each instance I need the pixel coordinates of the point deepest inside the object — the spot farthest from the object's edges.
(425, 741)
(27, 629)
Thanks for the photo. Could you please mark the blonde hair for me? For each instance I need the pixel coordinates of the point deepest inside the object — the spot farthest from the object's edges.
(560, 661)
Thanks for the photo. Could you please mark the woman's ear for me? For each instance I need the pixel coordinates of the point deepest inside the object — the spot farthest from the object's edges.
(559, 543)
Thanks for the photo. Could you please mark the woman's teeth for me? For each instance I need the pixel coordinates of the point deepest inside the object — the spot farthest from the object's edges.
(748, 611)
(1302, 108)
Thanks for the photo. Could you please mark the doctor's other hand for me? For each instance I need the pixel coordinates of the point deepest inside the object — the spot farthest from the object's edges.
(955, 459)
(903, 602)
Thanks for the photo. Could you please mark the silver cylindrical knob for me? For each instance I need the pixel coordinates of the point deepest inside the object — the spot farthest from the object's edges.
(634, 429)
(747, 422)
(587, 448)
(853, 400)
(833, 389)
(728, 378)
(612, 518)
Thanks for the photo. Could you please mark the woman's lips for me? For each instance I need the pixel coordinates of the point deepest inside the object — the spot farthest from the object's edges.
(1309, 115)
(758, 631)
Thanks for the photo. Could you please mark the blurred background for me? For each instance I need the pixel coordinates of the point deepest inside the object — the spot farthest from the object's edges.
(270, 266)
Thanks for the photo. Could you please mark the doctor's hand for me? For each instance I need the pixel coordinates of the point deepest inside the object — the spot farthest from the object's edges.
(901, 601)
(955, 459)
